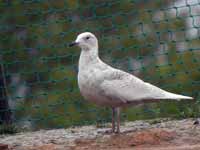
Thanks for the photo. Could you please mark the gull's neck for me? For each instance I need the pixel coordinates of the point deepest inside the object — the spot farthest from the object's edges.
(88, 57)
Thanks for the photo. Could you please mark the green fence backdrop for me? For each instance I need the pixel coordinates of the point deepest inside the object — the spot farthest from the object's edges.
(156, 40)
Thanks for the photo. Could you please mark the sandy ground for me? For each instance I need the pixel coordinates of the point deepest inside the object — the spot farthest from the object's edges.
(138, 135)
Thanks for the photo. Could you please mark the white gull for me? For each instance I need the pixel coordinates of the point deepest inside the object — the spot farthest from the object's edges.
(107, 86)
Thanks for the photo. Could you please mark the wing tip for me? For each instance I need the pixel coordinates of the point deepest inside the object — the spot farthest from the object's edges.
(179, 97)
(187, 97)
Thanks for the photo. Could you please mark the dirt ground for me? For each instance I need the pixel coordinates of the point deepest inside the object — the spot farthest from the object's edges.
(139, 135)
(151, 139)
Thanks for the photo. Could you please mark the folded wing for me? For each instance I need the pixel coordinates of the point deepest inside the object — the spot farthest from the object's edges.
(126, 87)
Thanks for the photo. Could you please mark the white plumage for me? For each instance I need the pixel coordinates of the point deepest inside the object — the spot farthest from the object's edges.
(107, 86)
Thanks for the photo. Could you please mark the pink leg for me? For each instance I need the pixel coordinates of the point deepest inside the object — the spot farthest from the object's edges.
(118, 120)
(113, 119)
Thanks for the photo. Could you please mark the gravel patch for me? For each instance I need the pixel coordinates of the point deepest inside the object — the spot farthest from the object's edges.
(62, 139)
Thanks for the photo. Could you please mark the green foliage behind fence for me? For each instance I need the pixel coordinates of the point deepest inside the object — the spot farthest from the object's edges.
(158, 41)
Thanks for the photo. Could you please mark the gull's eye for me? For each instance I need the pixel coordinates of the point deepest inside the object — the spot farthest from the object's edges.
(87, 37)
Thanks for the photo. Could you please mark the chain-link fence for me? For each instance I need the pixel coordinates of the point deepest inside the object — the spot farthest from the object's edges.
(158, 41)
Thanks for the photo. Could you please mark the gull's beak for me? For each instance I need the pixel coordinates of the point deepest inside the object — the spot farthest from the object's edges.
(73, 44)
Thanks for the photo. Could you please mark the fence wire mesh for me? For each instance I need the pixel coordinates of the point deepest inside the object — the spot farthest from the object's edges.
(158, 41)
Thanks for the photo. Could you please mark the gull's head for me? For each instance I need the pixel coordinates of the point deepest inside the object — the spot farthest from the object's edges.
(86, 41)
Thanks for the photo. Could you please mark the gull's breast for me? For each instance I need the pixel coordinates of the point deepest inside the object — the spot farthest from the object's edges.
(89, 82)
